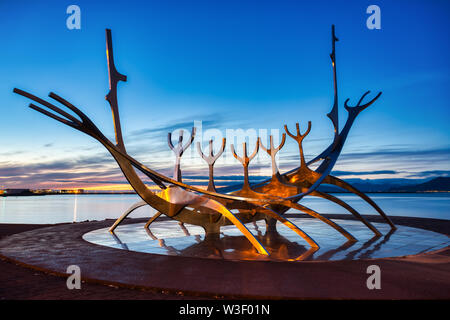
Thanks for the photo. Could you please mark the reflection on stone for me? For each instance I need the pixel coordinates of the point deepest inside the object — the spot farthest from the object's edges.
(171, 238)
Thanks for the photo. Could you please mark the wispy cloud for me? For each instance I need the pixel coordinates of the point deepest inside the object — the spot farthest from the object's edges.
(437, 152)
(362, 173)
(432, 173)
(98, 167)
(207, 120)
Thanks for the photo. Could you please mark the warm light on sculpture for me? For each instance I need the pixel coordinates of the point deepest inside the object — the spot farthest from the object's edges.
(210, 209)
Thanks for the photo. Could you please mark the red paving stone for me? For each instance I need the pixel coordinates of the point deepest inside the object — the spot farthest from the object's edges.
(20, 283)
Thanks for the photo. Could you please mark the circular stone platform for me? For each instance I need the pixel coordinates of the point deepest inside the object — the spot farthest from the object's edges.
(168, 237)
(422, 275)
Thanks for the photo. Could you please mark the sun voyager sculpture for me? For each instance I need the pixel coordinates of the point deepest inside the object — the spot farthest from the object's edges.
(211, 209)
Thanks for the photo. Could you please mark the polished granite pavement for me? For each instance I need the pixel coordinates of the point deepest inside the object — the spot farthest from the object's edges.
(168, 237)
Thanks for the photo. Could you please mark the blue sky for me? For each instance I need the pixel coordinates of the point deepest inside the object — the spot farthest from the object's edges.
(229, 64)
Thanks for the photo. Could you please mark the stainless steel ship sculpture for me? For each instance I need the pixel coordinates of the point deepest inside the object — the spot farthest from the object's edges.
(209, 208)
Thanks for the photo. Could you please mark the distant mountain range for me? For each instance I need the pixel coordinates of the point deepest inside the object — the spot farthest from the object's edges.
(440, 184)
(437, 184)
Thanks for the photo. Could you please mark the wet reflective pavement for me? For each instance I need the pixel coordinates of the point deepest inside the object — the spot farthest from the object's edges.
(170, 238)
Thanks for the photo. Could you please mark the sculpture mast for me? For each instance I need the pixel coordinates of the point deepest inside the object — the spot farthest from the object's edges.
(114, 77)
(334, 113)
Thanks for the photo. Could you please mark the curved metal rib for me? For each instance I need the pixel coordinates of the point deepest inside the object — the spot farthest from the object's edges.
(230, 216)
(348, 208)
(271, 213)
(344, 185)
(317, 215)
(152, 219)
(126, 213)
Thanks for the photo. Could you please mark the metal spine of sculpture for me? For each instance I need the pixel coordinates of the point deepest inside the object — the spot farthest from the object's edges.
(210, 208)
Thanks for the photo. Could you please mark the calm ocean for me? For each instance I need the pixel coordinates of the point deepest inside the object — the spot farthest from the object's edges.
(69, 208)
